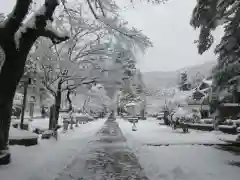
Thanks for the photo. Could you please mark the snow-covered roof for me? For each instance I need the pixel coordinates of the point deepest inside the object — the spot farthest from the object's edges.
(131, 104)
(208, 81)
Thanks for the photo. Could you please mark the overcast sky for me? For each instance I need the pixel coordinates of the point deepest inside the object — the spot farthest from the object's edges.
(167, 25)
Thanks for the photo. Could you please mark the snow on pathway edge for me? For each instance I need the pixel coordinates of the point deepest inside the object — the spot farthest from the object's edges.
(46, 160)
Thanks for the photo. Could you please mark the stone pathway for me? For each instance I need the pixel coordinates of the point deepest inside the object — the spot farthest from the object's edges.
(106, 158)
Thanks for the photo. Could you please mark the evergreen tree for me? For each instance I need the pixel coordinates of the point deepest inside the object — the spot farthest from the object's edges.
(184, 85)
(207, 15)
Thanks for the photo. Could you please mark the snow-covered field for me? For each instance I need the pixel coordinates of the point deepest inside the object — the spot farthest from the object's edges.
(40, 123)
(183, 159)
(150, 132)
(187, 163)
(179, 161)
(49, 157)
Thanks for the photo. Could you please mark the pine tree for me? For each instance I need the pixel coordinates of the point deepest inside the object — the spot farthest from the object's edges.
(207, 15)
(183, 84)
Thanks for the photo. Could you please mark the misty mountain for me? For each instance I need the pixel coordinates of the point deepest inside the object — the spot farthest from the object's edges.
(159, 85)
(157, 79)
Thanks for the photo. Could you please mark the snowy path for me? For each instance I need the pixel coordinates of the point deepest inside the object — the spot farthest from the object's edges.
(45, 160)
(106, 158)
(180, 161)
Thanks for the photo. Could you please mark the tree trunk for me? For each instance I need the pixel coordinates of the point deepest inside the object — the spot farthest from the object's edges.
(43, 112)
(118, 111)
(58, 100)
(84, 106)
(5, 119)
(52, 117)
(10, 76)
(142, 114)
(69, 101)
(54, 110)
(16, 46)
(165, 118)
(24, 102)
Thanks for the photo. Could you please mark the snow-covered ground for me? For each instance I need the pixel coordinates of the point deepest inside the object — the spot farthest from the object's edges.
(49, 157)
(15, 133)
(187, 163)
(150, 132)
(180, 161)
(40, 123)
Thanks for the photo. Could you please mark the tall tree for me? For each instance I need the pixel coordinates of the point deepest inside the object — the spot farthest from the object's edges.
(18, 37)
(16, 41)
(207, 16)
(59, 76)
(183, 84)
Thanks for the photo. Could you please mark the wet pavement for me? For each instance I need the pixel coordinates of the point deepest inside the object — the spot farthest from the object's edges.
(106, 158)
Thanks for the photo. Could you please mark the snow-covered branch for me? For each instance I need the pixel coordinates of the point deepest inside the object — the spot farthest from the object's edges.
(39, 25)
(71, 49)
(90, 52)
(91, 8)
(85, 46)
(53, 34)
(111, 20)
(44, 82)
(74, 86)
(101, 7)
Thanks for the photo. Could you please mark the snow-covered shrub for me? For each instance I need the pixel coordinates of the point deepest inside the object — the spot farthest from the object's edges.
(206, 121)
(196, 115)
(182, 114)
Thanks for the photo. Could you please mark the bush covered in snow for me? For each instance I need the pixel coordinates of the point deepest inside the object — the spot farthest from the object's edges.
(207, 121)
(182, 114)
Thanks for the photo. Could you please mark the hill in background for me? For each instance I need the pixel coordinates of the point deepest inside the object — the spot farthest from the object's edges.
(159, 79)
(160, 84)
